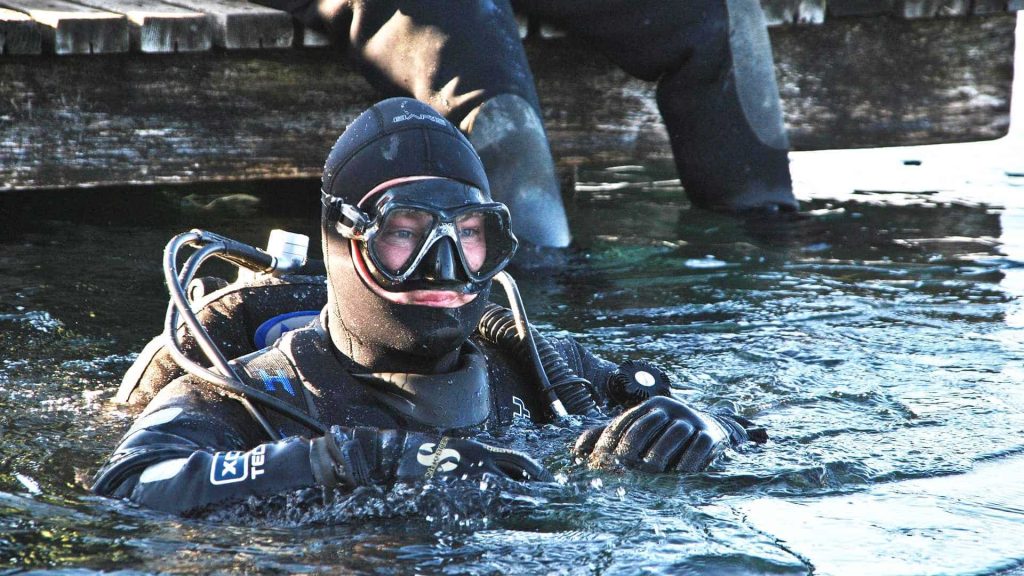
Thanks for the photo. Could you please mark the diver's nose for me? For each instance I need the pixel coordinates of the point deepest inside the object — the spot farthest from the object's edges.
(440, 261)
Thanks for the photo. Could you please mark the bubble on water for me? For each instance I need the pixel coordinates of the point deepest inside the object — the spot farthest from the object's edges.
(444, 503)
(705, 263)
(30, 484)
(38, 319)
(91, 396)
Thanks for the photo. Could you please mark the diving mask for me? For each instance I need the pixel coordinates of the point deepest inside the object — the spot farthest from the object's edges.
(429, 234)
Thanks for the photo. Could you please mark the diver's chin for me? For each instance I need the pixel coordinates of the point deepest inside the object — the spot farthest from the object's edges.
(429, 298)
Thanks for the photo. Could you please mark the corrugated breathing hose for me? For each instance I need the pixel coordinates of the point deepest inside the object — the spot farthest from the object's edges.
(498, 325)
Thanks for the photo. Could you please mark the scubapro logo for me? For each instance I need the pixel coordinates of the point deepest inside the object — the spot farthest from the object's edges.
(446, 461)
(408, 116)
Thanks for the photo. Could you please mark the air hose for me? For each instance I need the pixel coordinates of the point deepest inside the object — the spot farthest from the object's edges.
(508, 328)
(221, 374)
(570, 392)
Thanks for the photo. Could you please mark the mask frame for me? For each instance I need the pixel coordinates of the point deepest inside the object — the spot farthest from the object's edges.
(357, 225)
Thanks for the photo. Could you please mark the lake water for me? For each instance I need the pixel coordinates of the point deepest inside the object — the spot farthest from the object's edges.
(880, 341)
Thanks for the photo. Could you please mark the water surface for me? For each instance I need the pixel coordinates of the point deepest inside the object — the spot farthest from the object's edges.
(880, 340)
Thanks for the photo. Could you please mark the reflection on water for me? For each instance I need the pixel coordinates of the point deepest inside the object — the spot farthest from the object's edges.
(880, 339)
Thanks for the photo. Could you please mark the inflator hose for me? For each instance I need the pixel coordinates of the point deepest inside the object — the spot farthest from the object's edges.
(498, 326)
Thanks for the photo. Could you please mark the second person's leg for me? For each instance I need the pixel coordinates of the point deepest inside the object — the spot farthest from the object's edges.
(465, 59)
(716, 91)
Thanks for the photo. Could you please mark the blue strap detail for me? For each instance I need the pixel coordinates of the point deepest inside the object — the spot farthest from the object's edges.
(270, 383)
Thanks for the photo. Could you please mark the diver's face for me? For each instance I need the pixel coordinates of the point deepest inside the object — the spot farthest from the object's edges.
(404, 231)
(401, 237)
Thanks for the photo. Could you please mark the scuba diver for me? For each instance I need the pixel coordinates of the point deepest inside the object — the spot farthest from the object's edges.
(711, 59)
(407, 360)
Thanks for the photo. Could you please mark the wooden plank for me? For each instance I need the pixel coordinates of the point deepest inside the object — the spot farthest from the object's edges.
(69, 28)
(155, 27)
(885, 77)
(779, 12)
(982, 7)
(230, 115)
(840, 8)
(219, 115)
(315, 39)
(244, 25)
(19, 33)
(933, 8)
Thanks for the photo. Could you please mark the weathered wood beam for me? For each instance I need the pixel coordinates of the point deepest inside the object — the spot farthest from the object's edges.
(69, 28)
(983, 7)
(778, 12)
(229, 115)
(887, 76)
(244, 25)
(19, 33)
(912, 9)
(932, 8)
(155, 27)
(313, 39)
(841, 8)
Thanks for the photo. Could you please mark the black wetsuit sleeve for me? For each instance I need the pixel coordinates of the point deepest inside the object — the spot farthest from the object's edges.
(586, 364)
(192, 449)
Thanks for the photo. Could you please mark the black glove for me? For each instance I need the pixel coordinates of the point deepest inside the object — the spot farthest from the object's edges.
(664, 434)
(360, 456)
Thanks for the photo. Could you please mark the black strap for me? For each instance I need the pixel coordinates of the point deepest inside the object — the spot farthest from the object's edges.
(270, 372)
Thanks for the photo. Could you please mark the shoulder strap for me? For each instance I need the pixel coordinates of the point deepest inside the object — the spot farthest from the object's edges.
(270, 371)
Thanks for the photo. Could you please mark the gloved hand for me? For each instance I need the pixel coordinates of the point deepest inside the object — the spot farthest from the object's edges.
(664, 434)
(361, 456)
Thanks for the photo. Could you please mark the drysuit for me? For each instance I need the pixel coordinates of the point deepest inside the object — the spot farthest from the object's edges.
(405, 363)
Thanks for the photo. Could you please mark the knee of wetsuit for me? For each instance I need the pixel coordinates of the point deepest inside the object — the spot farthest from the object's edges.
(753, 67)
(508, 134)
(724, 116)
(705, 57)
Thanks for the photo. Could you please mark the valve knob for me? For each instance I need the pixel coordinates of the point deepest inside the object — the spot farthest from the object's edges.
(637, 380)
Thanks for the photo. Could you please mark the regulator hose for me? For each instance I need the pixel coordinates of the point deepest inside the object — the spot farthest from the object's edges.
(498, 326)
(221, 374)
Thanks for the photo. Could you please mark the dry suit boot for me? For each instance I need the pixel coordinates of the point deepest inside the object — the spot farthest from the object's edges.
(508, 134)
(724, 119)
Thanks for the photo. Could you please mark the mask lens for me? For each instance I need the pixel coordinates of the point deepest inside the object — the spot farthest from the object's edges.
(400, 237)
(407, 235)
(472, 231)
(486, 241)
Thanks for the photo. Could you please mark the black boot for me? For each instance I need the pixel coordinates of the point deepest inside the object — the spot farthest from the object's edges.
(721, 108)
(508, 134)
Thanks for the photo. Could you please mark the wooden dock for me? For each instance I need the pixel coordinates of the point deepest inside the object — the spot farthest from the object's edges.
(112, 92)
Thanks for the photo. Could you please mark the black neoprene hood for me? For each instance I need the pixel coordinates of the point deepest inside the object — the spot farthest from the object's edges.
(397, 138)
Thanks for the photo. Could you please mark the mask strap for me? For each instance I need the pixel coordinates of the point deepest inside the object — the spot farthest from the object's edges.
(394, 182)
